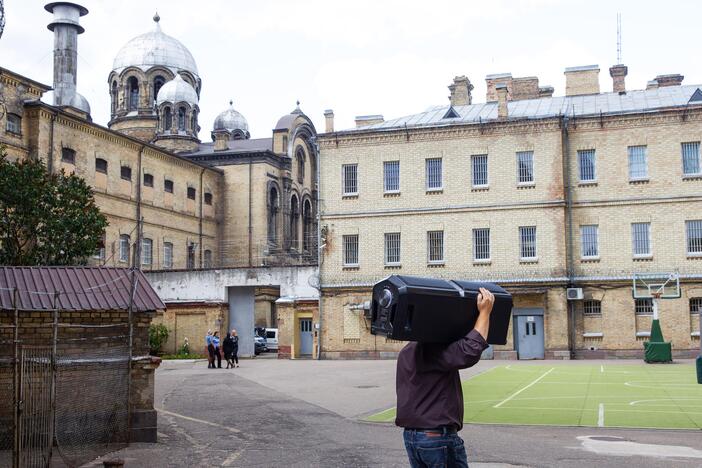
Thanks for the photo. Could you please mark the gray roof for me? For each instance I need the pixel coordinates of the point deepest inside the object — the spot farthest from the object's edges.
(638, 101)
(236, 146)
(177, 90)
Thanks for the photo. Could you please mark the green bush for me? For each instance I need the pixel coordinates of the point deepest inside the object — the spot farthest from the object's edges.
(185, 348)
(183, 356)
(158, 334)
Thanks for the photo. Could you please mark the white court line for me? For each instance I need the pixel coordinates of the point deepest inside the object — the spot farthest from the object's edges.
(602, 368)
(600, 416)
(521, 390)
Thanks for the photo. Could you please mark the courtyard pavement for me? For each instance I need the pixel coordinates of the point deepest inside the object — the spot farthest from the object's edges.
(281, 413)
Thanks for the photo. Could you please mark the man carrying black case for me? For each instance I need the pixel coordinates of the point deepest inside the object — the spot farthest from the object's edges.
(430, 396)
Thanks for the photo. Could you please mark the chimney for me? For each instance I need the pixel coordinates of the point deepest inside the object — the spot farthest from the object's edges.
(501, 90)
(66, 27)
(669, 80)
(221, 139)
(460, 91)
(653, 84)
(329, 120)
(582, 80)
(493, 80)
(366, 120)
(618, 73)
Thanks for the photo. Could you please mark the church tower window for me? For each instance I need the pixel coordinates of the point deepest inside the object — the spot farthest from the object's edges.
(181, 118)
(158, 82)
(167, 119)
(133, 87)
(273, 216)
(113, 93)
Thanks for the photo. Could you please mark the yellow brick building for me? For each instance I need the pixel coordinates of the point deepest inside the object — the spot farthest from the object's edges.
(535, 192)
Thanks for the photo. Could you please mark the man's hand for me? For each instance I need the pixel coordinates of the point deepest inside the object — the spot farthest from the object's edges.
(485, 302)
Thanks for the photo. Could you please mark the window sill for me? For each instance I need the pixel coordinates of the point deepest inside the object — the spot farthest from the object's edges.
(695, 334)
(350, 267)
(480, 188)
(482, 262)
(529, 260)
(590, 259)
(72, 163)
(391, 194)
(526, 185)
(128, 180)
(14, 134)
(393, 266)
(587, 183)
(639, 181)
(691, 177)
(694, 256)
(593, 335)
(432, 191)
(436, 265)
(349, 196)
(644, 334)
(643, 258)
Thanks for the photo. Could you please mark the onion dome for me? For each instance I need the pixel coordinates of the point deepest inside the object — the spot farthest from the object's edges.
(79, 102)
(231, 120)
(177, 90)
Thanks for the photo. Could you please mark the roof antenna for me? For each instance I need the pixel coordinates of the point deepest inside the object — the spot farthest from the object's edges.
(619, 38)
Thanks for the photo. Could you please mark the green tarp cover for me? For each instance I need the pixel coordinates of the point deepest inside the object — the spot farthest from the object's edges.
(657, 350)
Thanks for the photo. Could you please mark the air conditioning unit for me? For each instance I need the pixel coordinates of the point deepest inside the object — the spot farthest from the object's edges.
(574, 294)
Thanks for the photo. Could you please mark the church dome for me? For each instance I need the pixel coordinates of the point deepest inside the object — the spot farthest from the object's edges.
(231, 120)
(177, 90)
(79, 102)
(155, 49)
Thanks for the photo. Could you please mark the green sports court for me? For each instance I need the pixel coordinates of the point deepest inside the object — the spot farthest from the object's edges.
(664, 396)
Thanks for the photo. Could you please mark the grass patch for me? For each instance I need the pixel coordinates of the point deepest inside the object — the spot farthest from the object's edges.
(182, 356)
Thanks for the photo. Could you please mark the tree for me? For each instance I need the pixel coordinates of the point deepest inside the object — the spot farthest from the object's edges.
(46, 219)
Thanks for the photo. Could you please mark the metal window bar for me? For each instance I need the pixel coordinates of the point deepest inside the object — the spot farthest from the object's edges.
(589, 241)
(391, 176)
(392, 248)
(586, 165)
(695, 305)
(525, 167)
(350, 243)
(691, 158)
(694, 237)
(592, 308)
(527, 242)
(479, 164)
(350, 179)
(434, 174)
(643, 306)
(641, 239)
(638, 164)
(481, 244)
(435, 246)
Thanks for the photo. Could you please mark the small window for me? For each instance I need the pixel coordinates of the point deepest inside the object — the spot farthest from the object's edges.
(100, 165)
(167, 119)
(133, 93)
(641, 239)
(167, 255)
(349, 175)
(191, 193)
(300, 156)
(124, 248)
(694, 237)
(146, 251)
(638, 163)
(100, 250)
(168, 186)
(181, 118)
(525, 167)
(692, 164)
(589, 241)
(479, 166)
(391, 176)
(527, 242)
(435, 246)
(433, 174)
(208, 198)
(68, 156)
(392, 248)
(148, 180)
(481, 244)
(696, 305)
(14, 124)
(586, 165)
(350, 244)
(592, 308)
(208, 259)
(285, 144)
(190, 256)
(643, 307)
(125, 172)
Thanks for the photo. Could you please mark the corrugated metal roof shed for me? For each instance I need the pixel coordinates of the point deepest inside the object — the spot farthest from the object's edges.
(80, 288)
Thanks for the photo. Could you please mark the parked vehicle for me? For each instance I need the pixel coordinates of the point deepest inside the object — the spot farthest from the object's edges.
(272, 339)
(259, 345)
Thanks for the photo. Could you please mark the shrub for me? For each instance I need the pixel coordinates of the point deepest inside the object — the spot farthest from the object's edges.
(158, 334)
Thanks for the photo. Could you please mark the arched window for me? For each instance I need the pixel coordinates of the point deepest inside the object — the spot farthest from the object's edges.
(300, 156)
(167, 119)
(208, 259)
(294, 223)
(158, 82)
(307, 226)
(113, 93)
(181, 118)
(193, 122)
(133, 90)
(273, 207)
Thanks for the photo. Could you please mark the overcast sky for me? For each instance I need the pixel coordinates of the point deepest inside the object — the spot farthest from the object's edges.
(363, 56)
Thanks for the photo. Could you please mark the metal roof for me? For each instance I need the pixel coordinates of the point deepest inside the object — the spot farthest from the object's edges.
(637, 101)
(177, 90)
(235, 146)
(80, 288)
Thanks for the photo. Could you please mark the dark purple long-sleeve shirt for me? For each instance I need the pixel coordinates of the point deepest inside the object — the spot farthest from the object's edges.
(429, 392)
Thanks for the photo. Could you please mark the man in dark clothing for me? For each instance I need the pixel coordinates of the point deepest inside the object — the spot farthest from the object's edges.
(430, 396)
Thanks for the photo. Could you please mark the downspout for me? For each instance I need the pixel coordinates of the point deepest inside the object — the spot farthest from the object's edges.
(319, 249)
(570, 268)
(200, 220)
(250, 211)
(50, 160)
(140, 178)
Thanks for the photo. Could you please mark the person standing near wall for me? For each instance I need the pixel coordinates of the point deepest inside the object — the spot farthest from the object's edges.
(231, 349)
(216, 350)
(210, 349)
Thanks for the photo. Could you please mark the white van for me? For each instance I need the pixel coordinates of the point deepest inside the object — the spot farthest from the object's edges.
(272, 339)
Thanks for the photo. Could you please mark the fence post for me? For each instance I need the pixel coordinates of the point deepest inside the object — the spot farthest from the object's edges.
(54, 343)
(15, 382)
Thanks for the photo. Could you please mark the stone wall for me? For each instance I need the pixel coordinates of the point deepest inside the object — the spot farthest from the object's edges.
(192, 320)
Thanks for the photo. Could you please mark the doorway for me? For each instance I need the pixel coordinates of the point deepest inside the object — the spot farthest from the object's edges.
(528, 328)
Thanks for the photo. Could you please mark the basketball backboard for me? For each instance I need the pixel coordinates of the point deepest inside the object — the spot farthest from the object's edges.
(656, 286)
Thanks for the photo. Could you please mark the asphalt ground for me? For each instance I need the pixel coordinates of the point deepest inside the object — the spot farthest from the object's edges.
(281, 413)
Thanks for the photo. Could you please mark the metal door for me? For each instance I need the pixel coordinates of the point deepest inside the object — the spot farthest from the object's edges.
(305, 337)
(530, 336)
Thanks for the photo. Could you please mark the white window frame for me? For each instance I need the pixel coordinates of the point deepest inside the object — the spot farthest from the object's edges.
(346, 245)
(696, 225)
(438, 236)
(636, 230)
(524, 230)
(393, 244)
(582, 154)
(532, 169)
(344, 175)
(124, 252)
(168, 255)
(386, 186)
(475, 246)
(147, 252)
(583, 228)
(428, 176)
(473, 159)
(631, 156)
(685, 149)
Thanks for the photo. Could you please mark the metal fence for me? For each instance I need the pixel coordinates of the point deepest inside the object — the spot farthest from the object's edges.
(64, 381)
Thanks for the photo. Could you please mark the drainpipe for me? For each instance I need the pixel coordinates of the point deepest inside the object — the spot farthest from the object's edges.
(50, 160)
(570, 268)
(200, 220)
(250, 210)
(319, 249)
(140, 178)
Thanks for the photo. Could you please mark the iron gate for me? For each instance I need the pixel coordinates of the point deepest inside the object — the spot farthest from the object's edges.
(35, 410)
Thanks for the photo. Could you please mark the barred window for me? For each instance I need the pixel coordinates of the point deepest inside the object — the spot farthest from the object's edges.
(643, 306)
(167, 255)
(190, 256)
(100, 165)
(589, 241)
(350, 243)
(168, 186)
(124, 248)
(692, 164)
(694, 237)
(481, 244)
(191, 193)
(148, 180)
(13, 124)
(434, 178)
(696, 305)
(435, 246)
(638, 164)
(125, 172)
(479, 165)
(592, 308)
(527, 242)
(146, 251)
(349, 176)
(208, 259)
(525, 167)
(391, 176)
(68, 155)
(586, 164)
(641, 239)
(392, 248)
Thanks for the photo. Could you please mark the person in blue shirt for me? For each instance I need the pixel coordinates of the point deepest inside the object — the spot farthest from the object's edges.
(210, 350)
(217, 354)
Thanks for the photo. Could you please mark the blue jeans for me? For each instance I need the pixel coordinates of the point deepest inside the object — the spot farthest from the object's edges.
(435, 450)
